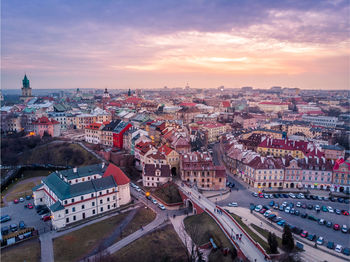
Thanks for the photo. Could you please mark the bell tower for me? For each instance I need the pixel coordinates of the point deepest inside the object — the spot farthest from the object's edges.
(26, 89)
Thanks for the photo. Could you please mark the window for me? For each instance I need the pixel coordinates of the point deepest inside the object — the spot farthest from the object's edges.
(219, 179)
(100, 193)
(93, 204)
(67, 220)
(101, 201)
(114, 197)
(73, 209)
(83, 206)
(107, 198)
(82, 198)
(66, 211)
(65, 202)
(74, 218)
(92, 195)
(107, 191)
(72, 200)
(108, 207)
(93, 211)
(101, 209)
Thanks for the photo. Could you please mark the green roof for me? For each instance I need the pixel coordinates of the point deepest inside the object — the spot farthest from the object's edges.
(37, 187)
(64, 190)
(83, 171)
(56, 207)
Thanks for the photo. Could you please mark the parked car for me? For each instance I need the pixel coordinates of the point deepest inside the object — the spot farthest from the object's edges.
(21, 225)
(317, 208)
(311, 237)
(258, 208)
(21, 199)
(330, 245)
(337, 211)
(336, 227)
(252, 206)
(345, 212)
(276, 206)
(292, 211)
(341, 200)
(13, 227)
(304, 233)
(339, 248)
(324, 209)
(304, 206)
(281, 222)
(320, 241)
(309, 206)
(304, 215)
(329, 224)
(255, 194)
(346, 201)
(138, 189)
(297, 212)
(154, 201)
(281, 208)
(344, 229)
(271, 216)
(272, 203)
(15, 201)
(267, 213)
(307, 197)
(46, 218)
(5, 218)
(311, 217)
(330, 209)
(276, 219)
(233, 204)
(5, 230)
(346, 251)
(321, 221)
(262, 211)
(298, 204)
(287, 209)
(28, 197)
(332, 199)
(162, 207)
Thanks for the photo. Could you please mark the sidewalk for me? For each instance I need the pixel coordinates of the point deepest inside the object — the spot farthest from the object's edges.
(185, 238)
(310, 253)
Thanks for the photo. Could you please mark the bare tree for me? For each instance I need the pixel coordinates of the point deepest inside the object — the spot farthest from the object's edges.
(190, 237)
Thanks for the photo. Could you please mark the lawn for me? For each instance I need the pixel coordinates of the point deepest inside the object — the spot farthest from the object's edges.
(61, 154)
(254, 236)
(201, 228)
(28, 251)
(169, 193)
(161, 245)
(142, 218)
(76, 245)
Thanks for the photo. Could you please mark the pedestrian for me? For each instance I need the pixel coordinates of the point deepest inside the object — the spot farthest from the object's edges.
(237, 236)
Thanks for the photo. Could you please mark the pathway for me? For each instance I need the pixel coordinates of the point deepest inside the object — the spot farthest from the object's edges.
(46, 238)
(91, 151)
(248, 247)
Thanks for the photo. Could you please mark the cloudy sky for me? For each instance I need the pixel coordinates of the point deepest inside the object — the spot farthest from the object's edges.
(150, 44)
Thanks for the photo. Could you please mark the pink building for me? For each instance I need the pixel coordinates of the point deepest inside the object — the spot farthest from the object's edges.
(50, 126)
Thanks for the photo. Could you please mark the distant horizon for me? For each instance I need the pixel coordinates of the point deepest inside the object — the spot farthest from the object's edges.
(147, 44)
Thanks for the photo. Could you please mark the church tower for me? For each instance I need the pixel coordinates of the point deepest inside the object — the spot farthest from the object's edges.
(26, 90)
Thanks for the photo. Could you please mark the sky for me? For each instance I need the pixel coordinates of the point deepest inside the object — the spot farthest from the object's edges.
(151, 44)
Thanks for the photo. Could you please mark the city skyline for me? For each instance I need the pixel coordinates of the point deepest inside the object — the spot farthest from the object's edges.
(61, 44)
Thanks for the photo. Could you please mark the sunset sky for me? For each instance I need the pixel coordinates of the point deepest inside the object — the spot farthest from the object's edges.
(151, 44)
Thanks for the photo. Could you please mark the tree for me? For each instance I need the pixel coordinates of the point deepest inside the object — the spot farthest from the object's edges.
(273, 244)
(287, 239)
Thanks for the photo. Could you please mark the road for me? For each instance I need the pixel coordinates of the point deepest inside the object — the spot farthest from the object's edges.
(244, 197)
(248, 248)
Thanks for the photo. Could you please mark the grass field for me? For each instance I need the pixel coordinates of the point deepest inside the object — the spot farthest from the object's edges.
(254, 236)
(142, 218)
(28, 251)
(169, 193)
(60, 154)
(158, 246)
(201, 228)
(21, 189)
(75, 245)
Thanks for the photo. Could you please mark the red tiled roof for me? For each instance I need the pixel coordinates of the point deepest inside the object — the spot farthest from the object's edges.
(119, 177)
(226, 104)
(164, 148)
(188, 104)
(94, 126)
(45, 121)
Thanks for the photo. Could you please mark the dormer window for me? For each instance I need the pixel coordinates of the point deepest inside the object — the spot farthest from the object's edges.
(158, 172)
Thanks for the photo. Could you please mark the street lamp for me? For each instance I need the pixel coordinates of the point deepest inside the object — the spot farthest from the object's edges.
(147, 195)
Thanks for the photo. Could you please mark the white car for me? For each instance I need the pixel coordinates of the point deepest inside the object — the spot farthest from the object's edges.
(330, 209)
(154, 201)
(298, 204)
(267, 213)
(301, 195)
(287, 209)
(258, 208)
(232, 204)
(320, 241)
(284, 204)
(339, 248)
(162, 207)
(132, 184)
(138, 189)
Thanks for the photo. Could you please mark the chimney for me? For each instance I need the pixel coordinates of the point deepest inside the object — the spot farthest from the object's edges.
(75, 170)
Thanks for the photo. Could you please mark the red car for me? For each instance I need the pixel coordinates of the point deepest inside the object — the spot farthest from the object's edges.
(46, 218)
(261, 195)
(336, 227)
(345, 213)
(30, 206)
(304, 233)
(16, 201)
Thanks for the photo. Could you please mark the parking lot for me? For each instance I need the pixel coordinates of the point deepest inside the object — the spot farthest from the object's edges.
(18, 213)
(313, 227)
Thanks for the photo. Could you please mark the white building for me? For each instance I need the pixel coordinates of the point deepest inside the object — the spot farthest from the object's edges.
(326, 121)
(76, 194)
